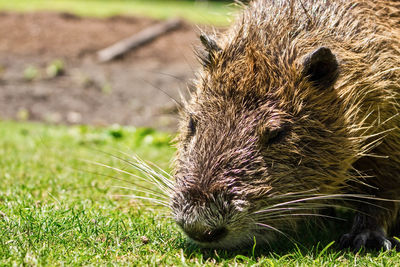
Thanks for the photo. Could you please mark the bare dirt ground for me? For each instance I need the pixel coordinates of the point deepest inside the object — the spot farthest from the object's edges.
(127, 91)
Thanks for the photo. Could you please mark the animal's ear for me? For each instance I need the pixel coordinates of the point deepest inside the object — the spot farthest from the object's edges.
(321, 67)
(211, 50)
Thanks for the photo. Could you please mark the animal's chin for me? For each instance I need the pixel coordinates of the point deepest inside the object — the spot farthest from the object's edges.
(238, 240)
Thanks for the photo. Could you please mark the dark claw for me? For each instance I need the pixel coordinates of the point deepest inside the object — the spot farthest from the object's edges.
(360, 241)
(368, 239)
(345, 241)
(395, 244)
(384, 243)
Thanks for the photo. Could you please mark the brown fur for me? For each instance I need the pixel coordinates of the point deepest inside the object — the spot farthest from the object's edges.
(337, 137)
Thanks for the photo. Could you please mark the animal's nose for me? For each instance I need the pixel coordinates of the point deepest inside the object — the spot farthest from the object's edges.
(206, 236)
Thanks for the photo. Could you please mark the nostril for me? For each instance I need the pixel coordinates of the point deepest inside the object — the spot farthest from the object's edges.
(209, 235)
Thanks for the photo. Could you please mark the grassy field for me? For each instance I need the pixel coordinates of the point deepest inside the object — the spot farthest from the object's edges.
(55, 209)
(217, 13)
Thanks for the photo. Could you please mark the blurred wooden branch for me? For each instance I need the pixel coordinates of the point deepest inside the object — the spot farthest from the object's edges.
(138, 39)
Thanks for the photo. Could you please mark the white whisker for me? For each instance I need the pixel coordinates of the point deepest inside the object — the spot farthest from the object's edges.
(141, 191)
(276, 230)
(163, 203)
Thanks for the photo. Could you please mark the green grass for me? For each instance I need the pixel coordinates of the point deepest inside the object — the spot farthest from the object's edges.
(55, 211)
(217, 13)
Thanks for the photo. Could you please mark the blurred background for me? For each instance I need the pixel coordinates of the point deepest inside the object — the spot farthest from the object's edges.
(51, 70)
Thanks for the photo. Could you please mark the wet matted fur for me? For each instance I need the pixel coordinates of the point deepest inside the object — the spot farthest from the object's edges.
(296, 109)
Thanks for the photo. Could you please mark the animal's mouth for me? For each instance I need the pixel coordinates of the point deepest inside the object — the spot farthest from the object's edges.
(209, 236)
(231, 239)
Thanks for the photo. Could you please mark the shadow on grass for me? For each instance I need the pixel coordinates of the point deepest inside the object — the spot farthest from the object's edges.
(313, 239)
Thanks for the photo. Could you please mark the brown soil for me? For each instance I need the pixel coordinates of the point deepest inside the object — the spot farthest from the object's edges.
(135, 90)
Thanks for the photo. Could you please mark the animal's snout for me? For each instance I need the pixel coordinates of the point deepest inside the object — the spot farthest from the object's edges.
(206, 235)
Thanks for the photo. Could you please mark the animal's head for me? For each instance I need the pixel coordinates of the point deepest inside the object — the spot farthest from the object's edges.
(261, 133)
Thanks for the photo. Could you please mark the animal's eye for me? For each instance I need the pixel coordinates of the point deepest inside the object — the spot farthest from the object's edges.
(272, 136)
(192, 126)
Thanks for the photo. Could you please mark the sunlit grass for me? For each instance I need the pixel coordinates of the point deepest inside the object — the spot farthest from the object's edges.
(55, 209)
